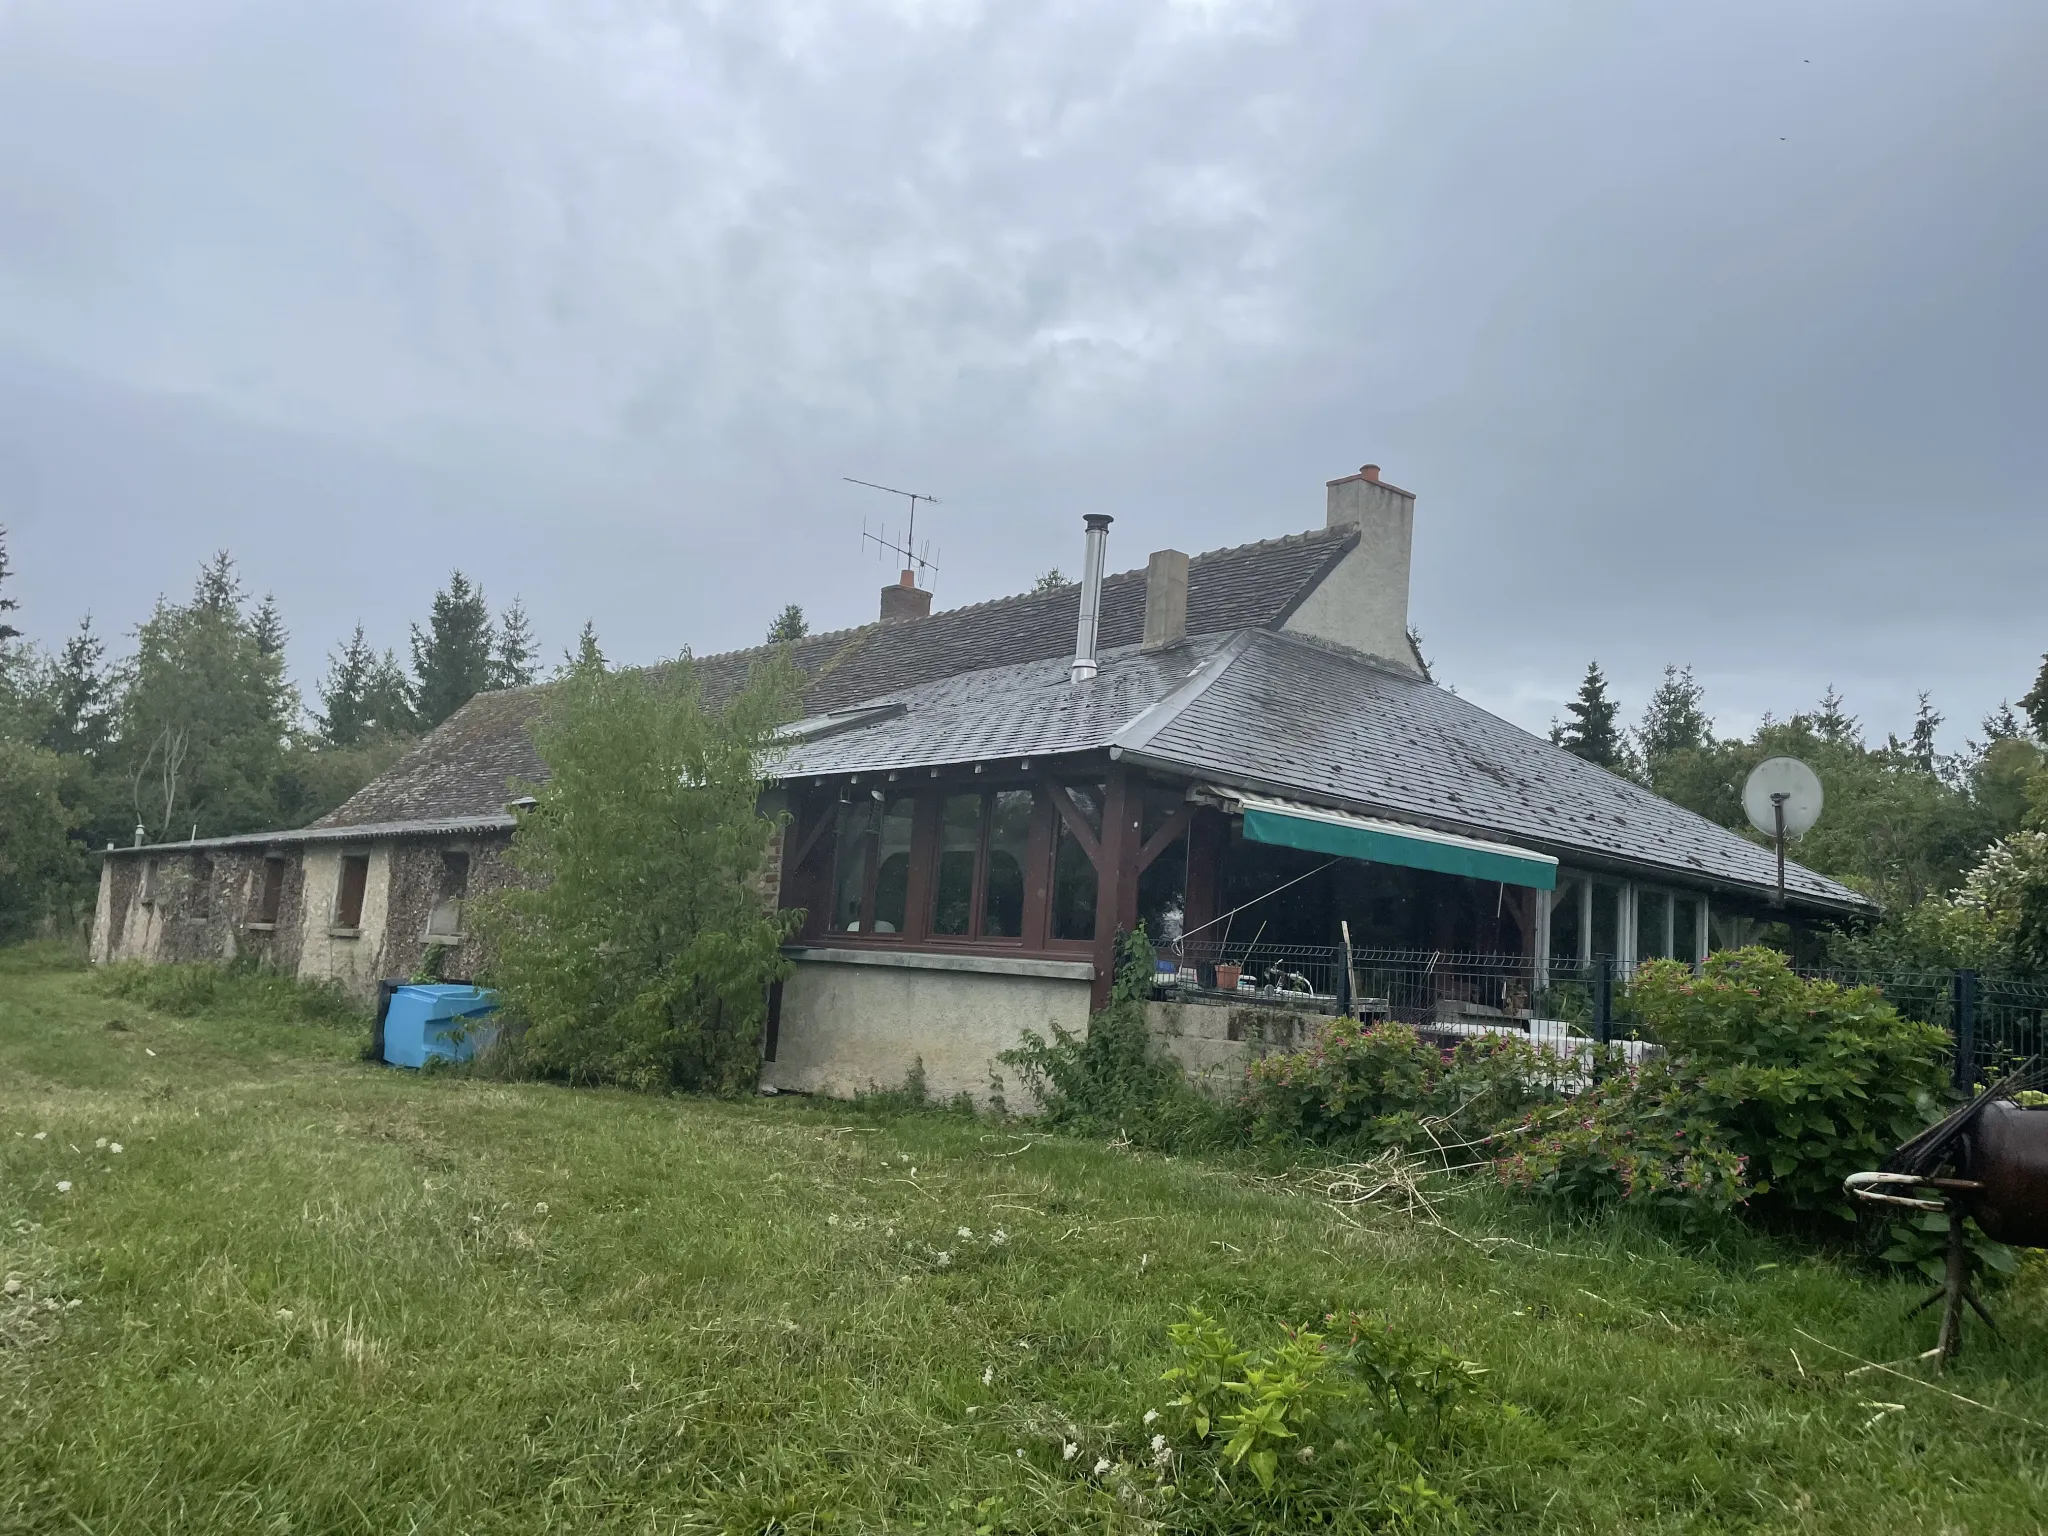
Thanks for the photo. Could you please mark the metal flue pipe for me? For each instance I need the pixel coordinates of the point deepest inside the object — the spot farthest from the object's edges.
(1084, 666)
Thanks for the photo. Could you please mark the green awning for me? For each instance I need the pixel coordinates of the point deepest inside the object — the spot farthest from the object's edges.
(1315, 830)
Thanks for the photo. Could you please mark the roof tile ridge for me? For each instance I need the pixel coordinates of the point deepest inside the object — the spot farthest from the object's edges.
(837, 635)
(1137, 733)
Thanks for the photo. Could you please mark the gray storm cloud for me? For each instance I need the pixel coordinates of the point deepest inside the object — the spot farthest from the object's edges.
(1704, 334)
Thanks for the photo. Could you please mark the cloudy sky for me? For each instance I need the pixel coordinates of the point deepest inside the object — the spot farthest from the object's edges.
(1707, 333)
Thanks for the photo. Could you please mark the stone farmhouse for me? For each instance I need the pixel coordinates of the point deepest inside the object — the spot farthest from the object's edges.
(1242, 750)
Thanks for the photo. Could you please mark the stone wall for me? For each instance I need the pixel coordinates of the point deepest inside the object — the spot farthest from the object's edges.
(1215, 1041)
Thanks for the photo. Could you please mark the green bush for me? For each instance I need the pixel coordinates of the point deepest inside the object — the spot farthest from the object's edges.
(1635, 1135)
(1362, 1087)
(638, 950)
(1114, 1080)
(1807, 1080)
(1331, 1429)
(240, 986)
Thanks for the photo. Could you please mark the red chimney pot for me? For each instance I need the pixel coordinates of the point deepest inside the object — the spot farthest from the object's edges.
(1370, 472)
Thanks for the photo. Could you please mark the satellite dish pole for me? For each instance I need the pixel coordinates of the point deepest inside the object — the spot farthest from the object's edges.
(914, 558)
(1782, 798)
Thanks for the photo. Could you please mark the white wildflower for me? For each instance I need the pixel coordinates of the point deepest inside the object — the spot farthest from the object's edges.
(284, 1314)
(998, 1237)
(1070, 1451)
(115, 1148)
(73, 1302)
(540, 1207)
(1158, 1444)
(13, 1286)
(1020, 1453)
(63, 1186)
(943, 1259)
(42, 1135)
(902, 1157)
(832, 1220)
(1101, 1466)
(1162, 1453)
(966, 1234)
(101, 1142)
(988, 1376)
(1151, 1417)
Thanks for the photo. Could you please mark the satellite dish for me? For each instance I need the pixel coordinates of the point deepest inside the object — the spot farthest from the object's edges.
(1782, 784)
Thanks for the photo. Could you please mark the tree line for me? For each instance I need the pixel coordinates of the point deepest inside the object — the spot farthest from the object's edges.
(196, 728)
(1954, 845)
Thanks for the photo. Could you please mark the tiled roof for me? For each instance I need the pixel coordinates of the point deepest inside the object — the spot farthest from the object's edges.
(1311, 721)
(1271, 711)
(464, 767)
(1026, 710)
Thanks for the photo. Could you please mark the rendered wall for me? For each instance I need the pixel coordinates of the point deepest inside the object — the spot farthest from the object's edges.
(326, 954)
(849, 1028)
(1363, 604)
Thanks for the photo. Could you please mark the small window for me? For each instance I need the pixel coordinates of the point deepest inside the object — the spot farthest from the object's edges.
(850, 866)
(892, 866)
(1074, 881)
(348, 901)
(959, 851)
(1009, 844)
(873, 856)
(199, 901)
(271, 896)
(445, 921)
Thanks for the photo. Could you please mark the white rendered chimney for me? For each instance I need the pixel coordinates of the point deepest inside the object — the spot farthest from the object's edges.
(1363, 603)
(1084, 666)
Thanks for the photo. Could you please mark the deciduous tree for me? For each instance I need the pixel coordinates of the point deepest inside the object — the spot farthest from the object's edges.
(639, 951)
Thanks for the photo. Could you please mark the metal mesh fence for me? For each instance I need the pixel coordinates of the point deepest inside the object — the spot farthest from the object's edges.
(1995, 1023)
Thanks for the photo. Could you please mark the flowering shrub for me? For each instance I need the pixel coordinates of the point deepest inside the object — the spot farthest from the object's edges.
(1363, 1086)
(1637, 1136)
(1809, 1080)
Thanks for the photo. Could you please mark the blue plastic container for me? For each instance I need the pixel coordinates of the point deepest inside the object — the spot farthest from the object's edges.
(438, 1021)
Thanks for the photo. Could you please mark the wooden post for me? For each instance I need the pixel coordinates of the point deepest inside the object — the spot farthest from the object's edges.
(1116, 891)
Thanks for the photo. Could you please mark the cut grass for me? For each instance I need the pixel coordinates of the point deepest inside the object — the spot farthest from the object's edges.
(312, 1294)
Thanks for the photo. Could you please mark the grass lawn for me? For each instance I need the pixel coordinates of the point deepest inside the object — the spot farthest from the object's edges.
(309, 1294)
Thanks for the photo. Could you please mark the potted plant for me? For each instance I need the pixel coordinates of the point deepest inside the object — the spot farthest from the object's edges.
(1227, 975)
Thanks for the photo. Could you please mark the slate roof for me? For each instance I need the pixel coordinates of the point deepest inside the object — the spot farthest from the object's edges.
(464, 768)
(1279, 713)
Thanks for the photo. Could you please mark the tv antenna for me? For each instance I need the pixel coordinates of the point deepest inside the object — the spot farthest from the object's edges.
(914, 556)
(1782, 799)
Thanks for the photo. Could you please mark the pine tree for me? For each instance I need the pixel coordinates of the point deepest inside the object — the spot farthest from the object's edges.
(268, 627)
(81, 697)
(342, 716)
(512, 662)
(1921, 748)
(1832, 723)
(2034, 701)
(1675, 719)
(2002, 724)
(451, 660)
(586, 653)
(1051, 581)
(789, 624)
(1591, 733)
(7, 604)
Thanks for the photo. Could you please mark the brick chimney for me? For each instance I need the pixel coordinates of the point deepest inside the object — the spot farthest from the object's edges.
(905, 601)
(1166, 599)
